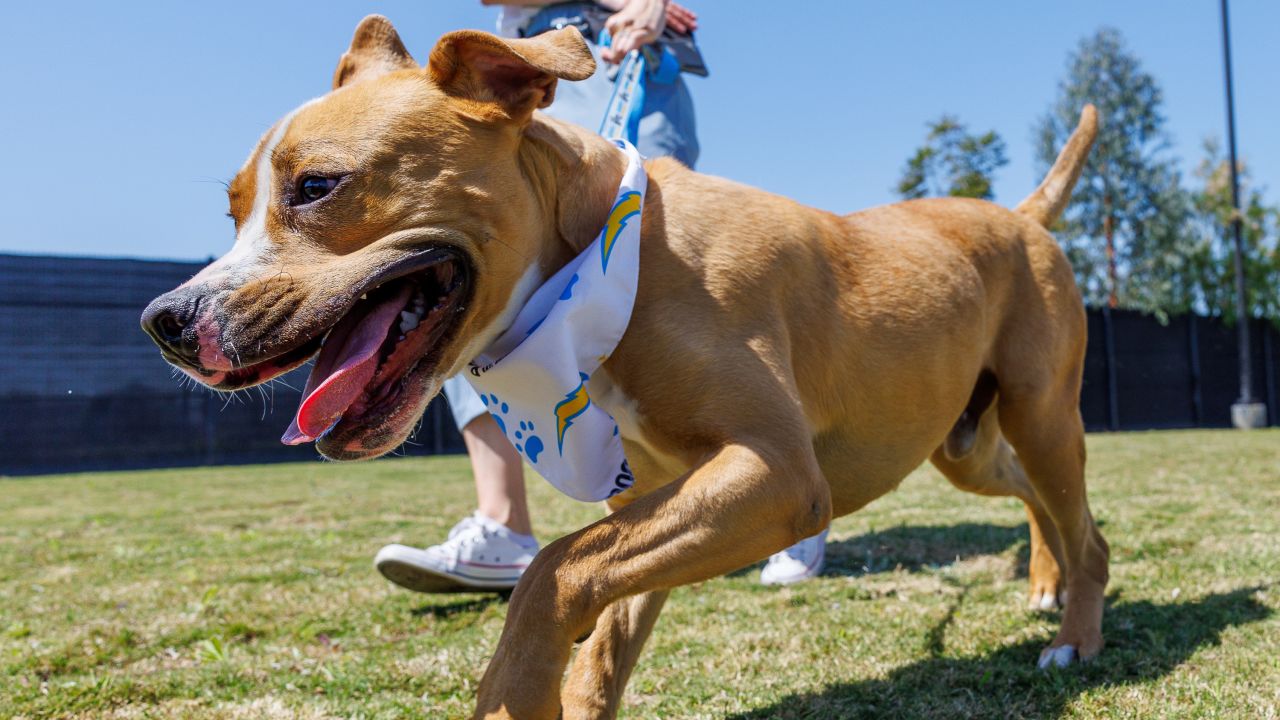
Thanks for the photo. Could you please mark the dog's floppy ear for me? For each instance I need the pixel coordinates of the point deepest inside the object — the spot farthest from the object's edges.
(375, 50)
(512, 77)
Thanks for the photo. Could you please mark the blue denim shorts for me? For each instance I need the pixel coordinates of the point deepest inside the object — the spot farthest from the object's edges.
(464, 401)
(667, 123)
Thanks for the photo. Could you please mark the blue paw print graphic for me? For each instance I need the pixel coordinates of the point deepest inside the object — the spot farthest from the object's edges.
(494, 404)
(568, 288)
(525, 441)
(533, 446)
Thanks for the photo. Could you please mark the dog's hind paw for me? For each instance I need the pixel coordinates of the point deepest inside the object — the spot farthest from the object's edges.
(1060, 656)
(1046, 600)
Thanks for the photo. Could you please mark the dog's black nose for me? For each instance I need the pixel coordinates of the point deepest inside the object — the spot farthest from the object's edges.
(169, 320)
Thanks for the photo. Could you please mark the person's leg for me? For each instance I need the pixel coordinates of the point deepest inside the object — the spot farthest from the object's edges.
(499, 474)
(490, 549)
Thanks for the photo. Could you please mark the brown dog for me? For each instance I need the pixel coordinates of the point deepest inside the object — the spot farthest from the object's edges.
(783, 365)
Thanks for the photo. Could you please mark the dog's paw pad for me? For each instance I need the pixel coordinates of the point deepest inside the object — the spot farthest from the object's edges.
(1061, 657)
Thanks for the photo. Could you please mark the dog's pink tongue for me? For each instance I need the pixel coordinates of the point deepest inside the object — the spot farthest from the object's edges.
(346, 364)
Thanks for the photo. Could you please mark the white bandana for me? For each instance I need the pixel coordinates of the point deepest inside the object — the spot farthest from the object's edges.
(533, 378)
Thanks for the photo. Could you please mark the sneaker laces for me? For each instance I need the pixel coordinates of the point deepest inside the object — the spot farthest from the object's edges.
(468, 531)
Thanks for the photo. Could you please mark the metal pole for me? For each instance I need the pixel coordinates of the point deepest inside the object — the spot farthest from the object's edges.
(1246, 408)
(1109, 345)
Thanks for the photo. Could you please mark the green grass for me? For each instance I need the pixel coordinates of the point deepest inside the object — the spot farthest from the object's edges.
(249, 593)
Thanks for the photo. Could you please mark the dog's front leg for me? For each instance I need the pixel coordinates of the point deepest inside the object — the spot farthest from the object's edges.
(604, 662)
(747, 501)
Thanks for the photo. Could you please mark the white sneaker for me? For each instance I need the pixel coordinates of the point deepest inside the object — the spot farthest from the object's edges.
(798, 562)
(480, 554)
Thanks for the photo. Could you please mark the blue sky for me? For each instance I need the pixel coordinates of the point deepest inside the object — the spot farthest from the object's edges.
(120, 118)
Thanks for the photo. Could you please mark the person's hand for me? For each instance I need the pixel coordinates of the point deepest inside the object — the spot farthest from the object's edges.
(637, 24)
(681, 19)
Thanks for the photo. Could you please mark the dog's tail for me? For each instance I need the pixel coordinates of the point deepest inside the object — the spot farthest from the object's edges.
(1050, 199)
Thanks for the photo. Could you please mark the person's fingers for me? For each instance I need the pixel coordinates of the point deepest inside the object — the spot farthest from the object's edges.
(681, 12)
(628, 31)
(629, 40)
(681, 19)
(614, 24)
(614, 53)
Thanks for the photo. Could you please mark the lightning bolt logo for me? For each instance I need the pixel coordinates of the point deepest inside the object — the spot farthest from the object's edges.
(627, 206)
(573, 405)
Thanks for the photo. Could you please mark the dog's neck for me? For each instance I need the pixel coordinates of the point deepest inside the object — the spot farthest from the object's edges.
(582, 170)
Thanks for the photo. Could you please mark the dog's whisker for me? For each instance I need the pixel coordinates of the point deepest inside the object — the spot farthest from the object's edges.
(213, 180)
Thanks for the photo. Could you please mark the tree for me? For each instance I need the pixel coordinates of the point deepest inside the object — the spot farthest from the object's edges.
(1214, 259)
(953, 162)
(1125, 230)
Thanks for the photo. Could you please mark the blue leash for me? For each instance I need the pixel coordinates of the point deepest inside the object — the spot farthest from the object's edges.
(622, 115)
(621, 119)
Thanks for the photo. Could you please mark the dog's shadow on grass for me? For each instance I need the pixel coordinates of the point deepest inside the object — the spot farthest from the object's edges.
(918, 547)
(1145, 641)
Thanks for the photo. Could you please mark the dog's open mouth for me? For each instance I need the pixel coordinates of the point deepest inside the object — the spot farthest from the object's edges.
(393, 332)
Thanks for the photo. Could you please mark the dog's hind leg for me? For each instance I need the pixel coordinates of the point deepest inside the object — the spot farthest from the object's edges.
(1049, 437)
(600, 671)
(1038, 407)
(988, 466)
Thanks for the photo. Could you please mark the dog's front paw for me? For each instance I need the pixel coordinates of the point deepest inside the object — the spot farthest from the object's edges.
(1070, 647)
(1060, 656)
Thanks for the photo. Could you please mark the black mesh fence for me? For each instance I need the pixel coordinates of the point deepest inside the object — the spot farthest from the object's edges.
(1141, 374)
(82, 388)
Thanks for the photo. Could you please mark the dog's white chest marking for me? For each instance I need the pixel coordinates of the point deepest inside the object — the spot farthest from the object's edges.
(626, 413)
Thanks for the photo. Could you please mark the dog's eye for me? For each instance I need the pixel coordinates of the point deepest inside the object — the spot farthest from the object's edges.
(314, 187)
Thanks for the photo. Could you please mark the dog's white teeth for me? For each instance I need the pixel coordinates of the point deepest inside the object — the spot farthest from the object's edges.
(364, 296)
(408, 321)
